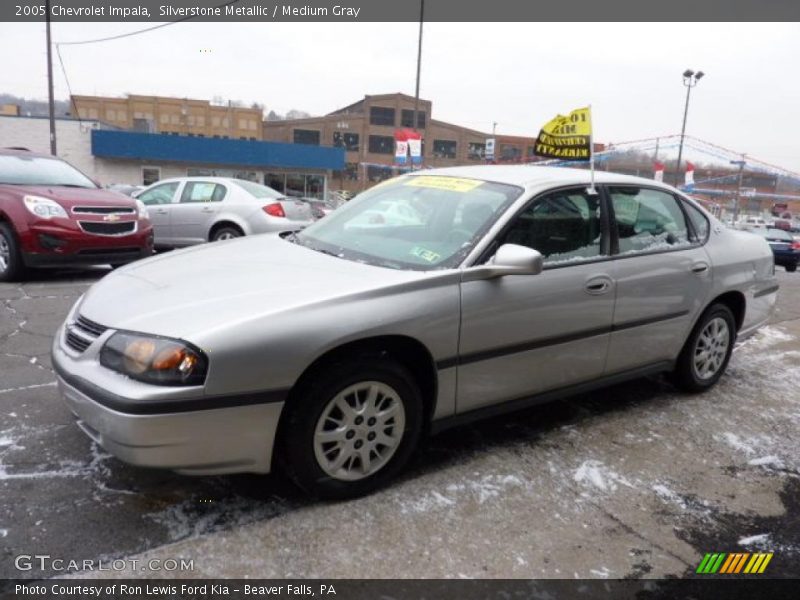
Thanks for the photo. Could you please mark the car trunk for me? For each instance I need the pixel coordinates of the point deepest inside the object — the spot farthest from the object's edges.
(296, 210)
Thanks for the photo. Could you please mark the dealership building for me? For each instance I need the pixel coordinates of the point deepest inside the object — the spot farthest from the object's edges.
(110, 154)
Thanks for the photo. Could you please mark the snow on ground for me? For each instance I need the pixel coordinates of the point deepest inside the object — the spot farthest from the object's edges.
(595, 474)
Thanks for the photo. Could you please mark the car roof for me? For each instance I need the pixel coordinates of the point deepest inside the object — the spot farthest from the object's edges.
(525, 175)
(205, 179)
(24, 152)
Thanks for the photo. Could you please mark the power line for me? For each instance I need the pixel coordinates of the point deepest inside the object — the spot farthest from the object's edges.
(138, 31)
(69, 87)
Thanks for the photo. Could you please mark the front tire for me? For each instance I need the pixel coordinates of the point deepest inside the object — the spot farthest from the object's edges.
(351, 427)
(11, 267)
(706, 353)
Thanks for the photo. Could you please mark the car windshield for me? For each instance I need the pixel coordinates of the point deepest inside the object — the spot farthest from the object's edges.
(37, 170)
(257, 190)
(420, 222)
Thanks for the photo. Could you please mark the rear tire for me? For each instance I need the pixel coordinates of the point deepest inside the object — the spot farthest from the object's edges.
(226, 232)
(337, 453)
(11, 267)
(791, 268)
(706, 353)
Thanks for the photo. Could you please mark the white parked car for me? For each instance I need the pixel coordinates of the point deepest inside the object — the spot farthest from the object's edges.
(193, 210)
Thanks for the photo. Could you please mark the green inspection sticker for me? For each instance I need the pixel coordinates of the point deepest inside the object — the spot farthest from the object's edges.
(426, 255)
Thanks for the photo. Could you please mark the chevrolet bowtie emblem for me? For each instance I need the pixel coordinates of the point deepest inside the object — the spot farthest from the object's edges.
(112, 217)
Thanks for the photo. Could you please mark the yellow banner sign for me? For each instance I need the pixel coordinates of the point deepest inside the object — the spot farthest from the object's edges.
(452, 184)
(566, 138)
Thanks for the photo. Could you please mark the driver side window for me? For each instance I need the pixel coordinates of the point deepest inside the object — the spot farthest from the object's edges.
(563, 226)
(161, 194)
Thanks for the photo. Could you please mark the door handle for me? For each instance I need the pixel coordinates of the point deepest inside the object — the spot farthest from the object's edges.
(597, 286)
(161, 211)
(207, 210)
(700, 267)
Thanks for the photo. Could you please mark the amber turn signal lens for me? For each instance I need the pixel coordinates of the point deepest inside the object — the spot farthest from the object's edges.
(169, 358)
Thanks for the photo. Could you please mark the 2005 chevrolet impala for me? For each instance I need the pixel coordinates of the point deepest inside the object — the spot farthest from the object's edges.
(331, 351)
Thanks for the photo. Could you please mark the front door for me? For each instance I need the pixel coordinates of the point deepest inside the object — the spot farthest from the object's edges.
(158, 200)
(526, 334)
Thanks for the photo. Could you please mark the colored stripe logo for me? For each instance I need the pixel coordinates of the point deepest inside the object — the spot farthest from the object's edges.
(734, 563)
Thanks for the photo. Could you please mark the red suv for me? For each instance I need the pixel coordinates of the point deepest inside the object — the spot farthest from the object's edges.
(52, 214)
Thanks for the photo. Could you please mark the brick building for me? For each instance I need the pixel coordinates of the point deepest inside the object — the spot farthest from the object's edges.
(177, 116)
(365, 129)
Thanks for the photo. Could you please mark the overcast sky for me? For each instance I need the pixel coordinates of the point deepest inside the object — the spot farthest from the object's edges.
(519, 75)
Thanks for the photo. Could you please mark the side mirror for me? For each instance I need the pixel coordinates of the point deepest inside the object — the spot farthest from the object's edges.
(510, 259)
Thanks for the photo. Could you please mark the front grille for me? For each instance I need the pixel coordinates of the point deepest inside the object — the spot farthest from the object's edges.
(103, 210)
(82, 333)
(90, 327)
(76, 342)
(103, 228)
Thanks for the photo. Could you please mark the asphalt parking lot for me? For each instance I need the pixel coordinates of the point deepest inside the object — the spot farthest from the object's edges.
(634, 481)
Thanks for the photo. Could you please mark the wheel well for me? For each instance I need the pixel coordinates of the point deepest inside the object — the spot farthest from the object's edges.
(736, 302)
(220, 225)
(409, 352)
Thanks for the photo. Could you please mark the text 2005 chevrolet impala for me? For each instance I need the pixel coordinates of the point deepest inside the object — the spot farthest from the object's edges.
(430, 299)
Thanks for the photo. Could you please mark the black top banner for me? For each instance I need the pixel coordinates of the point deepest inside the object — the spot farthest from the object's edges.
(398, 10)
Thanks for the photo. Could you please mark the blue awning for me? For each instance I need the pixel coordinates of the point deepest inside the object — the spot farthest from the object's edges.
(214, 151)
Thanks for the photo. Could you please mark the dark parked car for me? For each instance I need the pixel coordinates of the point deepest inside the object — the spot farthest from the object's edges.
(784, 247)
(52, 214)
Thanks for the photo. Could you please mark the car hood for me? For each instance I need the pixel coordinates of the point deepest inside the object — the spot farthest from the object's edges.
(189, 293)
(69, 196)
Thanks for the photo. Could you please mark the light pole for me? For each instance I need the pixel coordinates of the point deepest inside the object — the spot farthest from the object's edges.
(690, 79)
(741, 164)
(50, 97)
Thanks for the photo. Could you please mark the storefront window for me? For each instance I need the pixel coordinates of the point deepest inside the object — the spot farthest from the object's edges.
(275, 181)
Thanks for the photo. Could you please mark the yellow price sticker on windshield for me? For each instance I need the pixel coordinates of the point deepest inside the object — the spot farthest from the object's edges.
(437, 182)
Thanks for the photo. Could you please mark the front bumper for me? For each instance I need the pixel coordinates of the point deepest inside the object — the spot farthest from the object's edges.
(55, 244)
(167, 434)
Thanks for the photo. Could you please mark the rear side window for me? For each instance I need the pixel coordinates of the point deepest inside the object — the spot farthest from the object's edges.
(201, 191)
(648, 220)
(564, 227)
(699, 222)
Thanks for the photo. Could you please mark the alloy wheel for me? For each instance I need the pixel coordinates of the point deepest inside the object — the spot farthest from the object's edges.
(711, 348)
(5, 253)
(359, 431)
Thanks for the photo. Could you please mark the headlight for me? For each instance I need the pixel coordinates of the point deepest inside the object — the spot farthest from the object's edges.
(140, 206)
(153, 359)
(44, 207)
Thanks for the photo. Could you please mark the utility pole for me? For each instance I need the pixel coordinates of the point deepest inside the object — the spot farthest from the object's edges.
(741, 164)
(51, 98)
(419, 63)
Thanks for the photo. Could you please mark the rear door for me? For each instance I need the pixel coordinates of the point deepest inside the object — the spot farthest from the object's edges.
(525, 334)
(192, 215)
(663, 277)
(159, 199)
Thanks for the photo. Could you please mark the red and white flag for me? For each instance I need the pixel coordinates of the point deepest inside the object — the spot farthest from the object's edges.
(658, 171)
(689, 174)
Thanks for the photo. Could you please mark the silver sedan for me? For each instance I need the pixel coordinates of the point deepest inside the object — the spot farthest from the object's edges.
(193, 210)
(333, 350)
